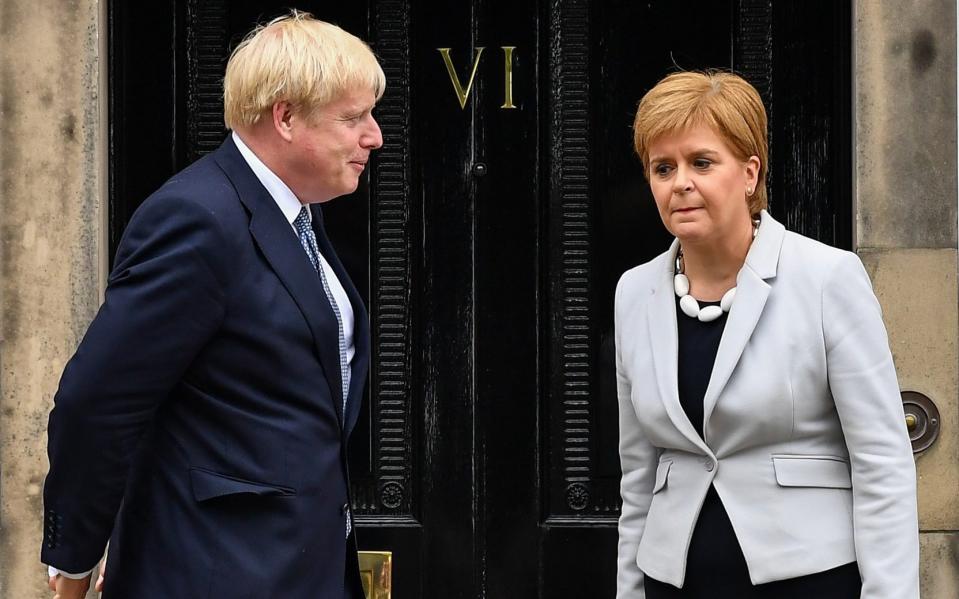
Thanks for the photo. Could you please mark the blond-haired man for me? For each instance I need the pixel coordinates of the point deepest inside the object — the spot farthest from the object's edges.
(201, 426)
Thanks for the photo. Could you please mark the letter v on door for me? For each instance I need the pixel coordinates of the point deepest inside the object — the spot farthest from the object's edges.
(461, 94)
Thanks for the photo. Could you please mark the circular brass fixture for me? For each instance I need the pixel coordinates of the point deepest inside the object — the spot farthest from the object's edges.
(922, 420)
(911, 422)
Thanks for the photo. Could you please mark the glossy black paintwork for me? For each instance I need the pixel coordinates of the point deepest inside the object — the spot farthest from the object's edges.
(459, 461)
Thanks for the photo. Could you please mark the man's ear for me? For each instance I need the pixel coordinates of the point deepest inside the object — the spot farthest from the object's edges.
(282, 114)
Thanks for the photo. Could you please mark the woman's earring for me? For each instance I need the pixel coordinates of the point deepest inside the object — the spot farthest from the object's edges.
(749, 191)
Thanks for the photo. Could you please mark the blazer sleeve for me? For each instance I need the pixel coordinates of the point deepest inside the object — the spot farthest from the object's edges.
(862, 379)
(638, 458)
(163, 302)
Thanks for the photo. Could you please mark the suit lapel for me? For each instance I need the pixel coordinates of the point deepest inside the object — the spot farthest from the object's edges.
(361, 326)
(751, 294)
(279, 244)
(664, 348)
(752, 290)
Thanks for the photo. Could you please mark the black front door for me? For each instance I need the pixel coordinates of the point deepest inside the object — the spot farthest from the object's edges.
(488, 240)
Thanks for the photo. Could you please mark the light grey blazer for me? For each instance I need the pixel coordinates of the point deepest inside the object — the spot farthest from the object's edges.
(805, 443)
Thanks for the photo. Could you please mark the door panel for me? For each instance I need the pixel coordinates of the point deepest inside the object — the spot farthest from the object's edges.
(600, 220)
(488, 240)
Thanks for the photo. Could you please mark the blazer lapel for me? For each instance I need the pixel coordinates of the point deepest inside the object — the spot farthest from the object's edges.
(279, 244)
(664, 348)
(752, 290)
(361, 324)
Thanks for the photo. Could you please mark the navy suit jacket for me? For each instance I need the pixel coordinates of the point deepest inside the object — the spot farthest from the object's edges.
(199, 425)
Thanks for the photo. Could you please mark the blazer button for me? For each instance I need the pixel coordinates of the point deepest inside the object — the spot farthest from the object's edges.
(708, 465)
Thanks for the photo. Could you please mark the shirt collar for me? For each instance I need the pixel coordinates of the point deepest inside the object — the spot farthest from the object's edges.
(278, 190)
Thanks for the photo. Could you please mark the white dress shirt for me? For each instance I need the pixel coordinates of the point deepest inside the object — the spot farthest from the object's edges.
(290, 206)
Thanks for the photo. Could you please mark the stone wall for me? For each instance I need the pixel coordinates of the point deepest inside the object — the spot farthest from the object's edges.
(906, 211)
(52, 182)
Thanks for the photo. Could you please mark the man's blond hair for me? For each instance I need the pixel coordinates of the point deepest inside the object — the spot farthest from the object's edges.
(724, 102)
(299, 59)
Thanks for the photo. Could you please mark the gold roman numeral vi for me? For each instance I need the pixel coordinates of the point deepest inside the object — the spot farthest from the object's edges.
(463, 94)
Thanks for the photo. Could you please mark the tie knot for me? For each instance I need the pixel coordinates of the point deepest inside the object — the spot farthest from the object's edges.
(302, 220)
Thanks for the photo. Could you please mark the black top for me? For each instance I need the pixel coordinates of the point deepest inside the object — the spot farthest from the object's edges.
(715, 566)
(698, 344)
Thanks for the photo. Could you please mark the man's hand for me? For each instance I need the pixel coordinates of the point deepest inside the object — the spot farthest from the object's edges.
(69, 588)
(98, 587)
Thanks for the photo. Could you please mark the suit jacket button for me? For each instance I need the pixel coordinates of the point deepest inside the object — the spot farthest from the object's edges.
(708, 464)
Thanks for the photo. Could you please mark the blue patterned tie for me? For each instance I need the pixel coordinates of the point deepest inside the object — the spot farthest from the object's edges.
(308, 241)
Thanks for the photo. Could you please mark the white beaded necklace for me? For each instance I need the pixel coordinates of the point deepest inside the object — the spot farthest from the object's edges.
(688, 303)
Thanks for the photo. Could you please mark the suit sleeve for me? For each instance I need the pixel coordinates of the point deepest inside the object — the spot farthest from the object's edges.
(164, 300)
(863, 382)
(638, 458)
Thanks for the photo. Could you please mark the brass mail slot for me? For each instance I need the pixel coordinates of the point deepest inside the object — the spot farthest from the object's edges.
(376, 572)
